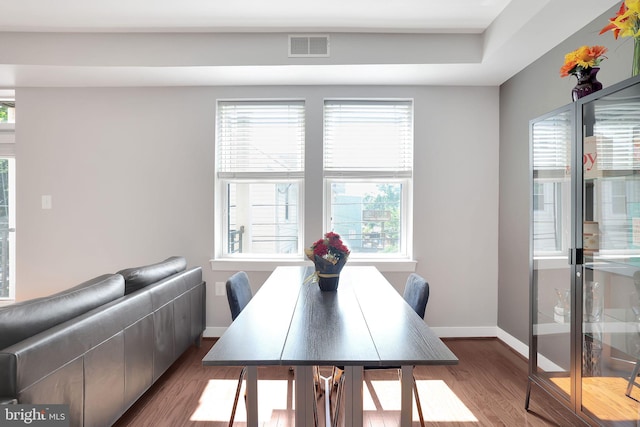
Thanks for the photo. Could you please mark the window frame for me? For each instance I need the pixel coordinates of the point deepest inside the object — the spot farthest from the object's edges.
(7, 151)
(406, 234)
(222, 241)
(221, 228)
(405, 252)
(310, 223)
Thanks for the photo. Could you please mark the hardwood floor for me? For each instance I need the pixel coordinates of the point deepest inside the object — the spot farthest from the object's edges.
(487, 388)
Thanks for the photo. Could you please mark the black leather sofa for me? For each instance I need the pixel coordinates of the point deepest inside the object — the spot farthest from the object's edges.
(99, 346)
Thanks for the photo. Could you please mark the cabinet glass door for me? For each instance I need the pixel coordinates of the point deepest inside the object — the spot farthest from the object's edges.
(551, 140)
(610, 283)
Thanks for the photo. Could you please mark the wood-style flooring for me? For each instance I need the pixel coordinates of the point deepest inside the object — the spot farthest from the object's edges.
(487, 388)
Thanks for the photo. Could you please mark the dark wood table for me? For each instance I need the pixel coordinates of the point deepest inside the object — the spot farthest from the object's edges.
(365, 323)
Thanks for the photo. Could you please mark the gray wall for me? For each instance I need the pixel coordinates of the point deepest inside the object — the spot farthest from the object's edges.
(529, 94)
(131, 175)
(131, 171)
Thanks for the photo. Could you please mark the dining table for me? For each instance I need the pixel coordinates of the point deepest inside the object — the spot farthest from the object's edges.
(291, 322)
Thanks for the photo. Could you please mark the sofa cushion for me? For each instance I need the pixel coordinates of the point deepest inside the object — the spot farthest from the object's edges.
(138, 277)
(24, 319)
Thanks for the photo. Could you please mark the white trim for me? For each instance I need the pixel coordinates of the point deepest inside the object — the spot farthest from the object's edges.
(514, 343)
(214, 331)
(464, 331)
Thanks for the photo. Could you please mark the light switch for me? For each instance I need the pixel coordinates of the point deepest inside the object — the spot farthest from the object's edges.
(46, 202)
(220, 288)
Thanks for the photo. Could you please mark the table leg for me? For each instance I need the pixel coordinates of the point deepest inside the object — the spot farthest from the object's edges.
(353, 396)
(406, 396)
(252, 396)
(304, 396)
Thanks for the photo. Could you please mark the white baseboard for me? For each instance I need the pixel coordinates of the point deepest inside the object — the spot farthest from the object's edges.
(465, 332)
(214, 331)
(514, 343)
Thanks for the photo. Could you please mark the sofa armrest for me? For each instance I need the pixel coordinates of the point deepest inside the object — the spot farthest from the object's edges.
(8, 369)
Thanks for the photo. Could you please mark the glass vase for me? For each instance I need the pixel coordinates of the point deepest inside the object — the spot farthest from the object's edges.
(587, 83)
(635, 64)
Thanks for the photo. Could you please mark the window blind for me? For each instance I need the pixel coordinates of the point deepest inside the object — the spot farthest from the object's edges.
(552, 143)
(368, 136)
(618, 135)
(260, 137)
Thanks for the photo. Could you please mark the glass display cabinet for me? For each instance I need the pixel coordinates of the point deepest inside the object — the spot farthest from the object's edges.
(584, 341)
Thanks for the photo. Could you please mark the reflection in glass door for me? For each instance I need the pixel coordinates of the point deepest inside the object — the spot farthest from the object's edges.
(550, 236)
(610, 332)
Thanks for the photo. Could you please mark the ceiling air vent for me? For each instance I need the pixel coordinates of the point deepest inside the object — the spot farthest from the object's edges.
(308, 46)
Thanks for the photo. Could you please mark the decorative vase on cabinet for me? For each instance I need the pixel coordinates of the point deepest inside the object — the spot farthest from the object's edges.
(587, 83)
(585, 237)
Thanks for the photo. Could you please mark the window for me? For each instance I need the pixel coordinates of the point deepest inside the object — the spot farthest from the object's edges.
(7, 198)
(260, 173)
(368, 169)
(7, 111)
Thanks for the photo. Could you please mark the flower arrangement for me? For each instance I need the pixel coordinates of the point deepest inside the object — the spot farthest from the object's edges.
(329, 255)
(330, 249)
(626, 23)
(582, 59)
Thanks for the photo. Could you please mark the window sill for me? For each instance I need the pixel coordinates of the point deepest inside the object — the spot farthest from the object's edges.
(388, 266)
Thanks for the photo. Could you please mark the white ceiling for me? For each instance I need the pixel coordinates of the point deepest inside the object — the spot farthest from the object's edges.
(403, 41)
(253, 15)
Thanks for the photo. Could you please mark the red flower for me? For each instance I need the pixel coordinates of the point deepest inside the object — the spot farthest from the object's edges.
(319, 248)
(330, 248)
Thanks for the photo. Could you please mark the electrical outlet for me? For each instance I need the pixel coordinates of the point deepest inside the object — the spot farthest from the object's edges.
(220, 289)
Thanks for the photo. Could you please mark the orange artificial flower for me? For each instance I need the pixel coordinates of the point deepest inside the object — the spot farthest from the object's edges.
(584, 57)
(626, 22)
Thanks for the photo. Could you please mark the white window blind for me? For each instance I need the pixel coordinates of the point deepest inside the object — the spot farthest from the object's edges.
(260, 137)
(552, 143)
(368, 136)
(618, 135)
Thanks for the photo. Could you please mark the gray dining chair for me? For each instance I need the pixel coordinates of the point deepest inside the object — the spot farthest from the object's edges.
(238, 294)
(416, 294)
